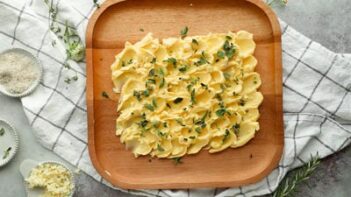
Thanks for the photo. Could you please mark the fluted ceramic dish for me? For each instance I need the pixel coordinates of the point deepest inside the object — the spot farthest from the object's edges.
(8, 139)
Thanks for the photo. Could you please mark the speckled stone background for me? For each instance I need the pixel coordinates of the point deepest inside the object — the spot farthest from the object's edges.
(325, 21)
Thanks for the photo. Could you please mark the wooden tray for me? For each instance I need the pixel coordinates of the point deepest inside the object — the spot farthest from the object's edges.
(119, 21)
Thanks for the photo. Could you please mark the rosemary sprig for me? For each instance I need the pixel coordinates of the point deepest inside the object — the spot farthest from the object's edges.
(288, 186)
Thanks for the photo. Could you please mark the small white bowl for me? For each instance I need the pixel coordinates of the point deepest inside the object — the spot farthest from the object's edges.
(26, 168)
(34, 84)
(9, 139)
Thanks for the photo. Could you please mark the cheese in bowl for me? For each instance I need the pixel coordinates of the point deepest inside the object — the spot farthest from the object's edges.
(181, 95)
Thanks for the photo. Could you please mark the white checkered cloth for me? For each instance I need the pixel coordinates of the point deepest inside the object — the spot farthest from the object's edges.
(317, 99)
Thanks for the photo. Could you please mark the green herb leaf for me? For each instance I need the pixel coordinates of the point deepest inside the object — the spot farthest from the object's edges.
(152, 72)
(104, 94)
(228, 37)
(236, 129)
(241, 102)
(226, 75)
(165, 125)
(6, 153)
(146, 93)
(153, 60)
(2, 131)
(168, 105)
(160, 148)
(67, 80)
(193, 99)
(178, 100)
(154, 103)
(171, 60)
(202, 59)
(220, 112)
(198, 130)
(177, 160)
(180, 122)
(162, 83)
(226, 135)
(204, 85)
(221, 54)
(229, 49)
(137, 95)
(184, 31)
(194, 41)
(183, 69)
(149, 107)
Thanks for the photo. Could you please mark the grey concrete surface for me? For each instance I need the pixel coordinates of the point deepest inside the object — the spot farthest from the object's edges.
(325, 21)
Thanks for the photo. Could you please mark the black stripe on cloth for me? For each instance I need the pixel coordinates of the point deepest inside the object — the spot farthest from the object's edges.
(298, 61)
(68, 120)
(324, 144)
(55, 125)
(48, 99)
(80, 13)
(165, 193)
(269, 185)
(320, 106)
(64, 96)
(285, 29)
(42, 42)
(319, 72)
(340, 104)
(241, 191)
(301, 160)
(158, 193)
(81, 155)
(42, 52)
(18, 21)
(343, 144)
(316, 86)
(294, 135)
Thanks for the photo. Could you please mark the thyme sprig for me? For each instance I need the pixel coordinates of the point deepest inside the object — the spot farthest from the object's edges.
(288, 186)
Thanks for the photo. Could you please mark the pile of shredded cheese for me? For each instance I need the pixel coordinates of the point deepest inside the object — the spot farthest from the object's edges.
(56, 180)
(18, 71)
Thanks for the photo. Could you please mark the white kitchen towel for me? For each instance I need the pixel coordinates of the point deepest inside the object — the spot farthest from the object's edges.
(317, 99)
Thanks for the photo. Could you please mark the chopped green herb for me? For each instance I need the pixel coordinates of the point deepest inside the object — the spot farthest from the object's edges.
(141, 29)
(161, 72)
(255, 82)
(67, 80)
(184, 31)
(53, 43)
(165, 125)
(218, 97)
(228, 37)
(226, 75)
(180, 122)
(153, 60)
(177, 160)
(137, 95)
(151, 81)
(162, 83)
(123, 63)
(198, 130)
(146, 93)
(236, 129)
(159, 148)
(149, 107)
(221, 54)
(220, 112)
(6, 153)
(66, 65)
(193, 99)
(75, 78)
(229, 49)
(204, 85)
(194, 41)
(202, 122)
(104, 94)
(171, 60)
(152, 72)
(168, 105)
(226, 135)
(241, 102)
(192, 137)
(156, 124)
(222, 87)
(202, 59)
(159, 133)
(96, 3)
(178, 100)
(130, 61)
(154, 103)
(183, 69)
(2, 131)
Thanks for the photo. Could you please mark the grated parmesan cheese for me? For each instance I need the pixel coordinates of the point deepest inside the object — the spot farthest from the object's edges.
(54, 178)
(17, 71)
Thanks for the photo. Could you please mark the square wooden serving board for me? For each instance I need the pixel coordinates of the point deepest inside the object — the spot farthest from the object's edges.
(116, 22)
